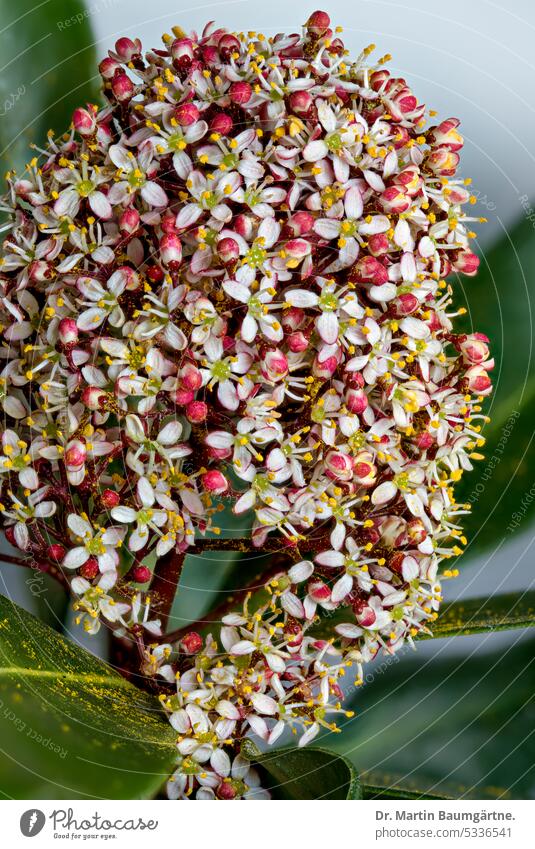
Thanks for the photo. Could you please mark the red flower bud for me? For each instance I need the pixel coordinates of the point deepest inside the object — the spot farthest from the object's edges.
(109, 498)
(90, 569)
(141, 574)
(191, 643)
(318, 23)
(215, 482)
(56, 552)
(186, 114)
(197, 412)
(240, 93)
(222, 123)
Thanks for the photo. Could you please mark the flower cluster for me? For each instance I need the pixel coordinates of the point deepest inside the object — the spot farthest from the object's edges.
(229, 283)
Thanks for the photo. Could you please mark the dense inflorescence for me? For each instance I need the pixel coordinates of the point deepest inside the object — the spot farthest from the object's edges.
(229, 284)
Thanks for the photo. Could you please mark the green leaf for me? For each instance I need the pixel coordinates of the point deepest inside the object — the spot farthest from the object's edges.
(308, 773)
(468, 721)
(48, 67)
(70, 726)
(479, 615)
(500, 305)
(376, 785)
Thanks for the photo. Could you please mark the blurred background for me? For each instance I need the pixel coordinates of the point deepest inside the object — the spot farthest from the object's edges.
(459, 714)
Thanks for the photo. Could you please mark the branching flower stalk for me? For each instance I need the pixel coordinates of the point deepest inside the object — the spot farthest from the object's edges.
(229, 284)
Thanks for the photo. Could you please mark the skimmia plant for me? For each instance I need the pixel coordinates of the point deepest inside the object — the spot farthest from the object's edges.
(228, 285)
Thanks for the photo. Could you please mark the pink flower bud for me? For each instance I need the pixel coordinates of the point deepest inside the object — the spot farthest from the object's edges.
(109, 67)
(297, 342)
(103, 136)
(141, 574)
(190, 377)
(369, 270)
(293, 318)
(129, 221)
(467, 263)
(109, 498)
(222, 123)
(68, 331)
(475, 348)
(297, 248)
(300, 103)
(301, 223)
(93, 397)
(187, 114)
(274, 366)
(401, 137)
(183, 396)
(325, 367)
(338, 466)
(416, 531)
(84, 121)
(409, 180)
(378, 244)
(210, 55)
(39, 271)
(126, 49)
(215, 482)
(240, 93)
(477, 380)
(394, 200)
(364, 614)
(407, 303)
(319, 591)
(318, 23)
(379, 79)
(356, 401)
(122, 87)
(228, 250)
(182, 52)
(191, 643)
(171, 251)
(227, 45)
(75, 454)
(244, 226)
(197, 412)
(424, 440)
(446, 135)
(364, 468)
(442, 162)
(89, 569)
(168, 222)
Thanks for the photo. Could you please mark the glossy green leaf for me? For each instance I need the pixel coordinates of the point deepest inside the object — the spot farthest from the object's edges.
(47, 68)
(479, 615)
(378, 785)
(465, 720)
(70, 727)
(500, 304)
(308, 773)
